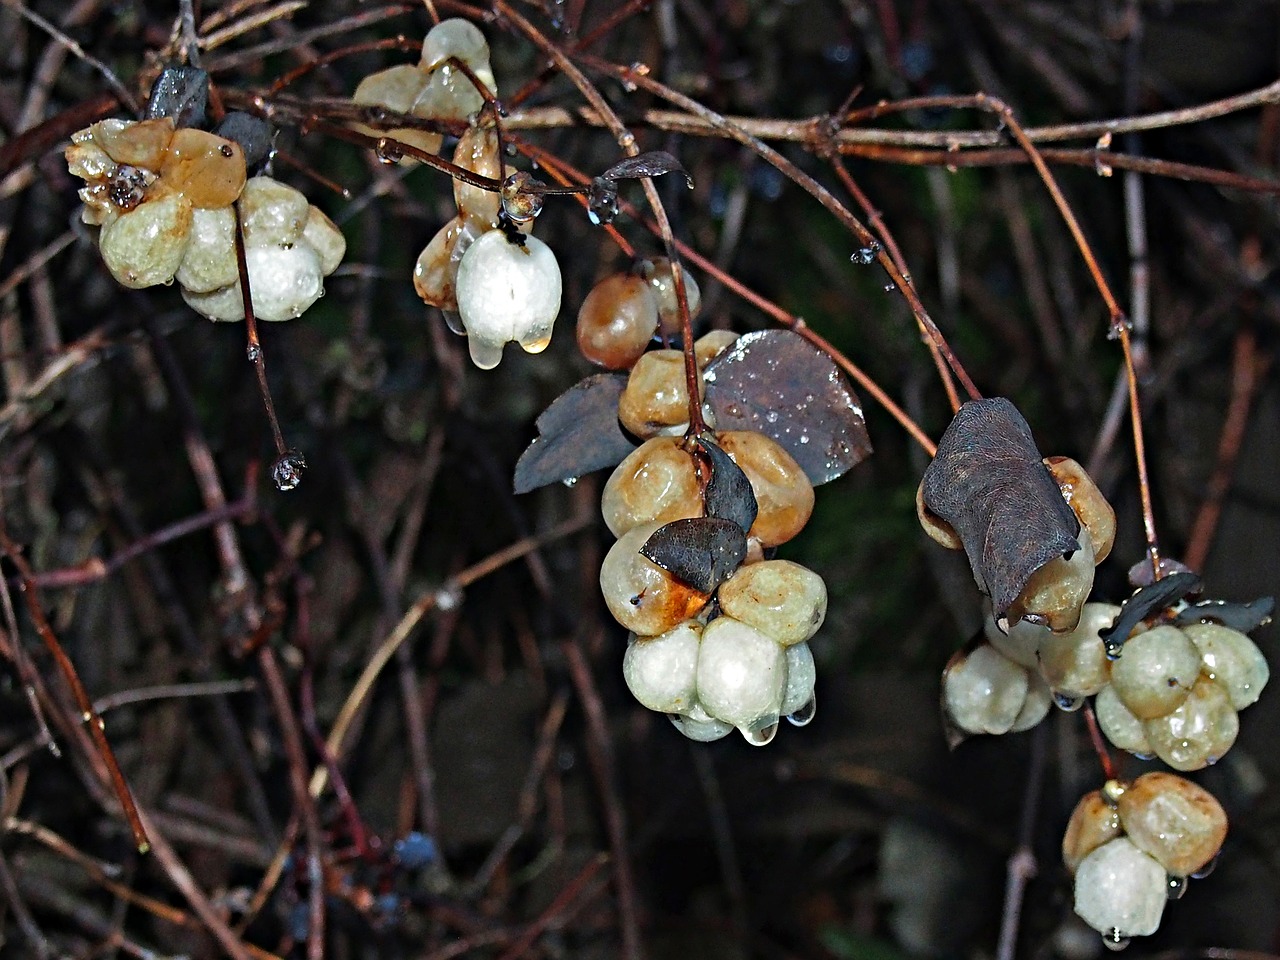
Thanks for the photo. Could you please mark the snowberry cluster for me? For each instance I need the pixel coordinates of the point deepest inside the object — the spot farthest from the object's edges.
(1007, 683)
(736, 657)
(494, 282)
(164, 201)
(1132, 847)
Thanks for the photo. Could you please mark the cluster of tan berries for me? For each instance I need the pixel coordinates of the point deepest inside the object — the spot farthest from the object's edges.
(737, 657)
(1166, 691)
(165, 201)
(494, 282)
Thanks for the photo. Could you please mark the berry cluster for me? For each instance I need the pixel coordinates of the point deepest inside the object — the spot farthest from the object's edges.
(165, 201)
(1048, 649)
(1132, 846)
(494, 282)
(735, 656)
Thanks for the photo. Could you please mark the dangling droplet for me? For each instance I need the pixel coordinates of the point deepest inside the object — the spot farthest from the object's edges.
(890, 287)
(1069, 704)
(1113, 940)
(253, 352)
(1205, 870)
(805, 714)
(287, 470)
(1113, 649)
(762, 732)
(387, 151)
(865, 256)
(570, 481)
(1177, 887)
(1144, 757)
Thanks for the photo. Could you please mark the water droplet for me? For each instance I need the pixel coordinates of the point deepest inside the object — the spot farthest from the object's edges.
(387, 151)
(1067, 703)
(1177, 887)
(890, 287)
(762, 732)
(448, 597)
(805, 714)
(1205, 870)
(287, 470)
(1144, 757)
(865, 256)
(570, 481)
(253, 352)
(1114, 648)
(1113, 940)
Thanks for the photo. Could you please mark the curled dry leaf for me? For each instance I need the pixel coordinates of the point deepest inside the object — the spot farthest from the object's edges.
(1145, 602)
(577, 434)
(728, 494)
(989, 483)
(777, 383)
(702, 552)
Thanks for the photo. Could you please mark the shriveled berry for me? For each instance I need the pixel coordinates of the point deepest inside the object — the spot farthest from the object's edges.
(397, 88)
(661, 672)
(656, 396)
(1120, 726)
(1232, 659)
(1093, 822)
(1174, 820)
(983, 691)
(616, 321)
(477, 151)
(642, 596)
(137, 144)
(1199, 731)
(656, 483)
(1120, 891)
(1056, 592)
(779, 598)
(1155, 671)
(741, 673)
(1087, 502)
(1075, 663)
(208, 170)
(783, 492)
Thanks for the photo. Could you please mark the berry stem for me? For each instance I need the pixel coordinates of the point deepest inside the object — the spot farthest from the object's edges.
(254, 349)
(1099, 744)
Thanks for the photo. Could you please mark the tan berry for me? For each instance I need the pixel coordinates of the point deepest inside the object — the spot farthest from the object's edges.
(208, 170)
(779, 598)
(1075, 664)
(1179, 823)
(655, 397)
(1093, 822)
(656, 483)
(1087, 502)
(642, 596)
(617, 321)
(783, 492)
(1199, 731)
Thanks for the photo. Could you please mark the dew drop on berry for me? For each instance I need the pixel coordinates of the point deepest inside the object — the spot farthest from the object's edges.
(1177, 887)
(1064, 702)
(1113, 941)
(762, 732)
(806, 713)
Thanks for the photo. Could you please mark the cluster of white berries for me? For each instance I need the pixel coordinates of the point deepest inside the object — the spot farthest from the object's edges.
(738, 658)
(1132, 847)
(1008, 683)
(494, 281)
(164, 201)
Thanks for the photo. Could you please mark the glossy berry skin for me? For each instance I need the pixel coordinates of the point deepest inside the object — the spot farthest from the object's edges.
(507, 290)
(783, 492)
(1120, 890)
(617, 321)
(1056, 592)
(656, 397)
(779, 598)
(1087, 502)
(1155, 672)
(208, 170)
(1075, 664)
(1199, 731)
(1232, 659)
(1121, 727)
(642, 596)
(741, 673)
(1179, 823)
(661, 672)
(657, 273)
(983, 691)
(1094, 821)
(656, 483)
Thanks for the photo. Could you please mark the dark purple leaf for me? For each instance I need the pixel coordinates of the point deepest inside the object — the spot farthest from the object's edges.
(702, 552)
(182, 93)
(1238, 616)
(777, 383)
(652, 164)
(988, 481)
(252, 133)
(1141, 574)
(577, 434)
(728, 495)
(1146, 602)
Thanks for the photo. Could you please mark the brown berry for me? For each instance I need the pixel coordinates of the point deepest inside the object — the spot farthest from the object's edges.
(617, 321)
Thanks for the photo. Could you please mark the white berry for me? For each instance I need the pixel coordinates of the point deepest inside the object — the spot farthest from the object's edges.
(1120, 891)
